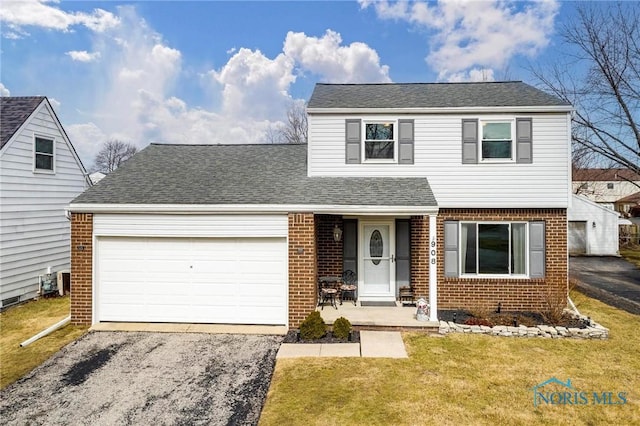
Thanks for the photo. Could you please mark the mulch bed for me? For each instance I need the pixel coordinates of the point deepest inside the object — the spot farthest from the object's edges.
(529, 319)
(292, 337)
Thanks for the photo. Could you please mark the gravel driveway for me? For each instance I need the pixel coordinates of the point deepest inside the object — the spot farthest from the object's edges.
(108, 378)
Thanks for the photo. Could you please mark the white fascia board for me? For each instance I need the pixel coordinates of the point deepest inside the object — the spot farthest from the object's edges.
(449, 110)
(251, 208)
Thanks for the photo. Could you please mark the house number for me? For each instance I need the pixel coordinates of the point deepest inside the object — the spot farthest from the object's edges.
(432, 253)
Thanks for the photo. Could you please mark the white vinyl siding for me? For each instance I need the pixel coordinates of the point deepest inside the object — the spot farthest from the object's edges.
(34, 233)
(437, 156)
(601, 230)
(166, 225)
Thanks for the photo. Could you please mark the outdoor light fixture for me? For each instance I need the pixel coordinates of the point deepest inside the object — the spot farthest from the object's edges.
(337, 234)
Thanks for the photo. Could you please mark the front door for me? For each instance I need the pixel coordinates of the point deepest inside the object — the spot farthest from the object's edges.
(377, 256)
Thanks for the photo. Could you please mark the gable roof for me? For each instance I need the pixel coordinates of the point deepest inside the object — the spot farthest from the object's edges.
(604, 175)
(431, 95)
(264, 174)
(14, 111)
(633, 198)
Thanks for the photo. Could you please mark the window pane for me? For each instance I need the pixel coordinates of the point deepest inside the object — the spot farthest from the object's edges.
(496, 130)
(518, 248)
(378, 150)
(44, 145)
(44, 162)
(379, 131)
(493, 249)
(496, 149)
(468, 248)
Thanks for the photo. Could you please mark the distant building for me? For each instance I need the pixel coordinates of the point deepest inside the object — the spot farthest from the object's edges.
(607, 186)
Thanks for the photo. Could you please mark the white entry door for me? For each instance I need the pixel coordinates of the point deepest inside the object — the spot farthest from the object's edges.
(377, 261)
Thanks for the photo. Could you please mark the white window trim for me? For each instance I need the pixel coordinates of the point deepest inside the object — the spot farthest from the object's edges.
(53, 140)
(512, 122)
(366, 160)
(502, 276)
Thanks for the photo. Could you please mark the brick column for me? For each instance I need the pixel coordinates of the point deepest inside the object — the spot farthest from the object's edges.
(81, 268)
(302, 267)
(420, 256)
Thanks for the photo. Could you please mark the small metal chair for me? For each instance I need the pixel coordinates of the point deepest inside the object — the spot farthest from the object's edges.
(327, 292)
(349, 286)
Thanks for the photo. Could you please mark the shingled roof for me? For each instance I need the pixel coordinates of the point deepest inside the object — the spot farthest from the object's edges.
(246, 175)
(604, 175)
(14, 110)
(431, 95)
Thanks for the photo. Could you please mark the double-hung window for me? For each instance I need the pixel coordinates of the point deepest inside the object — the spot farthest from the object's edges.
(497, 140)
(379, 141)
(493, 248)
(44, 154)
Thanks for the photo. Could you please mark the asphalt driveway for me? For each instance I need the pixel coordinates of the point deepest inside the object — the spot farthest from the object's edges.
(123, 378)
(610, 279)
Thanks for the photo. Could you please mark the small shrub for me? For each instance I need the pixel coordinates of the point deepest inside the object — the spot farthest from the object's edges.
(341, 328)
(481, 312)
(313, 327)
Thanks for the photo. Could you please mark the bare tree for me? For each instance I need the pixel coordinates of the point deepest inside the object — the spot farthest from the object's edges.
(112, 154)
(294, 130)
(600, 76)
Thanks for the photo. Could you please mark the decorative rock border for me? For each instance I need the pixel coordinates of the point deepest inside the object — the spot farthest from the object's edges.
(592, 331)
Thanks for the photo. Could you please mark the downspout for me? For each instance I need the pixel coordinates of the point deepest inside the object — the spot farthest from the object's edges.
(573, 306)
(49, 330)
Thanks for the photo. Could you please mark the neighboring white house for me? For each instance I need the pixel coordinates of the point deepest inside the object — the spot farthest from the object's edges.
(593, 228)
(40, 173)
(605, 186)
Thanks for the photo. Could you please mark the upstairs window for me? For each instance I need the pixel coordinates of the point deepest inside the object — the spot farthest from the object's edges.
(379, 142)
(44, 154)
(497, 140)
(610, 185)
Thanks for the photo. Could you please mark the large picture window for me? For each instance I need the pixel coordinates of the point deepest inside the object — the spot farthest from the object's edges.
(493, 248)
(379, 143)
(497, 140)
(44, 154)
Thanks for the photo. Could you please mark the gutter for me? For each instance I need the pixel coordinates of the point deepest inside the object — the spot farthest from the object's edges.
(46, 332)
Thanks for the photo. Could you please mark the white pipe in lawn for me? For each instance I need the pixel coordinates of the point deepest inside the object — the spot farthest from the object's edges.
(43, 333)
(572, 305)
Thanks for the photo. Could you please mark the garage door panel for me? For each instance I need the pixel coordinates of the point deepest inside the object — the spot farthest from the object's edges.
(209, 280)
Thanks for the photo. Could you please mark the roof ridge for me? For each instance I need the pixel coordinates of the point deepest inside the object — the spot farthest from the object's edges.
(419, 83)
(227, 144)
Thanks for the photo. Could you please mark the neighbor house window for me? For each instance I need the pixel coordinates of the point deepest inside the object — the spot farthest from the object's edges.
(44, 154)
(497, 140)
(610, 185)
(493, 248)
(379, 142)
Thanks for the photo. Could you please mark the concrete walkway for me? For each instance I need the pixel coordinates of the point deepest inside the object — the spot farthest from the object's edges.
(373, 344)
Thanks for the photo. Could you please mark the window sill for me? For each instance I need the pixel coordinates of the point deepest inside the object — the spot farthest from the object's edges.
(44, 172)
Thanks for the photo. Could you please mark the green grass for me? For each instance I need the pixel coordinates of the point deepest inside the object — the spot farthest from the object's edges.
(465, 379)
(632, 255)
(21, 322)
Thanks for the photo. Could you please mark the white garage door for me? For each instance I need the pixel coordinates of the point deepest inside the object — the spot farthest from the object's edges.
(193, 280)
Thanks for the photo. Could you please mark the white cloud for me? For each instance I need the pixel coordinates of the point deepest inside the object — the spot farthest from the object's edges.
(325, 56)
(4, 91)
(55, 103)
(467, 35)
(83, 55)
(45, 14)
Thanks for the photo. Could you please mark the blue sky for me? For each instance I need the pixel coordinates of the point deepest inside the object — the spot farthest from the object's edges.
(225, 72)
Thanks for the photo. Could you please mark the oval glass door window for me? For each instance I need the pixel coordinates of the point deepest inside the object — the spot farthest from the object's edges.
(375, 246)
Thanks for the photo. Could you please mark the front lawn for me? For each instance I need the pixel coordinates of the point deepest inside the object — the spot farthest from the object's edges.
(466, 379)
(19, 323)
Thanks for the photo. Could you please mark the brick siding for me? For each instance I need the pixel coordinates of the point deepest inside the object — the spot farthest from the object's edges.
(329, 251)
(420, 256)
(513, 294)
(302, 267)
(81, 268)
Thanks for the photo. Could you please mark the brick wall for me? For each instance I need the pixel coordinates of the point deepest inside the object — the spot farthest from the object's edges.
(81, 267)
(329, 251)
(302, 267)
(420, 256)
(514, 294)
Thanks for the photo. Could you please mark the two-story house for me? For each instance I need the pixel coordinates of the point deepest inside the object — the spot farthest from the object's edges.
(457, 190)
(40, 173)
(611, 188)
